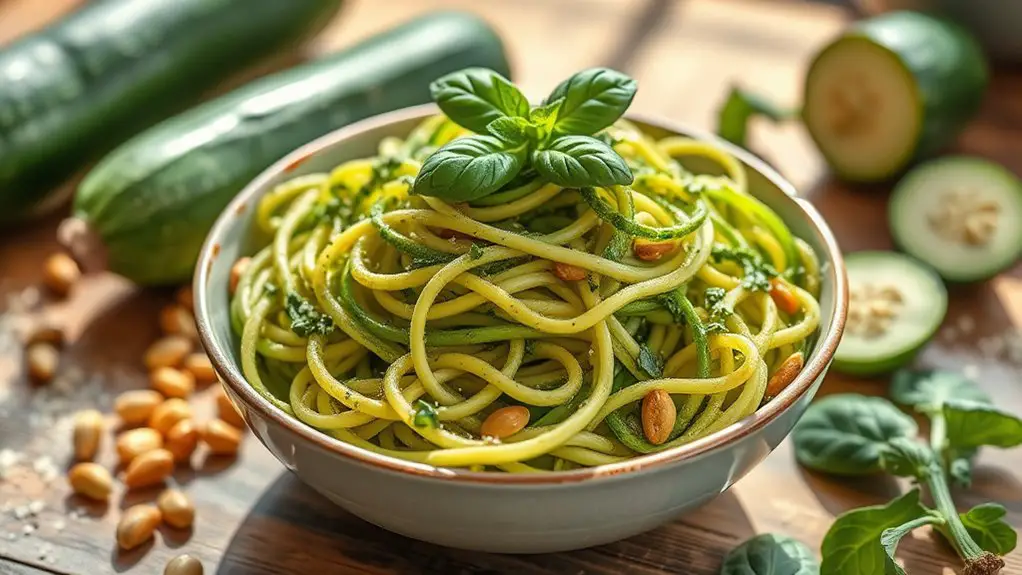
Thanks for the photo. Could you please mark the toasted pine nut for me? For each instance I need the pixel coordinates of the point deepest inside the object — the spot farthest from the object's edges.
(184, 298)
(60, 272)
(568, 272)
(227, 411)
(177, 508)
(46, 332)
(134, 407)
(658, 416)
(168, 413)
(237, 270)
(88, 431)
(221, 437)
(134, 442)
(785, 374)
(169, 351)
(172, 382)
(91, 480)
(505, 421)
(137, 525)
(783, 297)
(176, 320)
(42, 360)
(652, 251)
(183, 565)
(149, 468)
(200, 367)
(182, 439)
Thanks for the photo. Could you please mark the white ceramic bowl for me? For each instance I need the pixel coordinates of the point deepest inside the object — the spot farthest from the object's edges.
(495, 511)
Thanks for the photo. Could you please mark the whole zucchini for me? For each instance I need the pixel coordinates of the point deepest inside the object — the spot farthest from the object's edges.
(71, 92)
(149, 204)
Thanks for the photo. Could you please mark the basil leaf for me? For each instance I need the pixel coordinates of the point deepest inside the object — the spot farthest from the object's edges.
(546, 115)
(740, 106)
(593, 99)
(770, 554)
(475, 252)
(425, 415)
(305, 318)
(845, 434)
(975, 424)
(468, 168)
(510, 130)
(852, 545)
(985, 523)
(576, 161)
(926, 391)
(907, 457)
(650, 361)
(474, 97)
(891, 536)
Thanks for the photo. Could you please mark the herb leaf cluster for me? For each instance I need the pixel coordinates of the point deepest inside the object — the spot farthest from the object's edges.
(554, 139)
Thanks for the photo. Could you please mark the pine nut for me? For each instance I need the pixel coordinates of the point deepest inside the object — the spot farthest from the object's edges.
(184, 298)
(168, 413)
(201, 368)
(183, 565)
(149, 468)
(134, 442)
(568, 272)
(46, 332)
(221, 437)
(60, 272)
(137, 525)
(658, 416)
(505, 421)
(177, 508)
(172, 382)
(169, 351)
(227, 411)
(237, 270)
(652, 251)
(134, 407)
(785, 374)
(91, 480)
(182, 440)
(176, 320)
(88, 430)
(42, 360)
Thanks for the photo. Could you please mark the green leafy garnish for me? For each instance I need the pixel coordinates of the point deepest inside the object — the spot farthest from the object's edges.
(713, 300)
(985, 523)
(975, 424)
(553, 139)
(742, 105)
(756, 271)
(425, 415)
(475, 252)
(305, 318)
(770, 554)
(650, 361)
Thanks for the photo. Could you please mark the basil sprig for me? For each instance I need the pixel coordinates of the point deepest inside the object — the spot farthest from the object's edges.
(554, 139)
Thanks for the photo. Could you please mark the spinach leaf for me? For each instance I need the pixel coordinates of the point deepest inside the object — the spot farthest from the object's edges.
(770, 554)
(852, 546)
(305, 318)
(985, 522)
(510, 130)
(741, 105)
(845, 434)
(891, 536)
(926, 391)
(907, 457)
(650, 361)
(593, 99)
(974, 424)
(425, 415)
(468, 168)
(576, 161)
(474, 97)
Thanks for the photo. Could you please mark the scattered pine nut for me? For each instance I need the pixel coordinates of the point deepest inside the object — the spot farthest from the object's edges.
(168, 351)
(168, 413)
(46, 332)
(149, 468)
(60, 272)
(176, 320)
(172, 382)
(201, 368)
(184, 298)
(568, 272)
(182, 440)
(658, 416)
(87, 433)
(137, 525)
(505, 421)
(785, 374)
(237, 270)
(177, 508)
(136, 406)
(652, 251)
(221, 437)
(183, 565)
(227, 411)
(134, 442)
(91, 480)
(42, 360)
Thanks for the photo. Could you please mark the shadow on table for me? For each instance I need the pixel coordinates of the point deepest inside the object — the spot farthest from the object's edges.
(293, 529)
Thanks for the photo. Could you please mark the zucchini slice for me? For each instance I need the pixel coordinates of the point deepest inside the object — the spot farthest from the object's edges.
(960, 215)
(896, 306)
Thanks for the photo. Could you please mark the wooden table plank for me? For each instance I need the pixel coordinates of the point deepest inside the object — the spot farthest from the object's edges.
(255, 518)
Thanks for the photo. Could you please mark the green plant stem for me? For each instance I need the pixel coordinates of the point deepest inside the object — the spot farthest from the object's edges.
(936, 480)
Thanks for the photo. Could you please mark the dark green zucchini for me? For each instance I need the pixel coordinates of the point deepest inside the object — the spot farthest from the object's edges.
(151, 202)
(71, 92)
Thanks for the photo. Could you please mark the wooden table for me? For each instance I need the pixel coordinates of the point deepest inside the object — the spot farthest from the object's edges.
(255, 518)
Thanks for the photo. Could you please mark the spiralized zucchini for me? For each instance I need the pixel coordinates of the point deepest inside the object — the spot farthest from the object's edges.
(401, 323)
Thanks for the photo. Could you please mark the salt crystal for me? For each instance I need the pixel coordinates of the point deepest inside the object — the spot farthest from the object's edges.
(12, 536)
(27, 530)
(59, 525)
(36, 506)
(22, 512)
(45, 468)
(8, 459)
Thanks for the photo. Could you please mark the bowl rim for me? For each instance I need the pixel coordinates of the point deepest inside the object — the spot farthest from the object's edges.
(232, 377)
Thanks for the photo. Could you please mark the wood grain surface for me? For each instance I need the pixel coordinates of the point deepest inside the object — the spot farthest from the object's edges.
(255, 518)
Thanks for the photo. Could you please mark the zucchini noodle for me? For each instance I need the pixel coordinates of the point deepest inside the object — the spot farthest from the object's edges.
(402, 323)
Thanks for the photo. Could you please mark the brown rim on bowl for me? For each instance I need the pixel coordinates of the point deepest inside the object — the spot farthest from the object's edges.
(236, 381)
